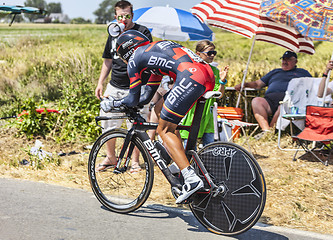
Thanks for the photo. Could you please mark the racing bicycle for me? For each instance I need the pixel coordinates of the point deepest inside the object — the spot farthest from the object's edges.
(234, 193)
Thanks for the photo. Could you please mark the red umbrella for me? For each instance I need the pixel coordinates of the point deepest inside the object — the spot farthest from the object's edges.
(242, 17)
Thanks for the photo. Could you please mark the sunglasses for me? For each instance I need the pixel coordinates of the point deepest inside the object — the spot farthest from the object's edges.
(210, 53)
(121, 17)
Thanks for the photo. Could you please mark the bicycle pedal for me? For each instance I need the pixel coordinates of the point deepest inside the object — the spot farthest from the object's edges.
(176, 191)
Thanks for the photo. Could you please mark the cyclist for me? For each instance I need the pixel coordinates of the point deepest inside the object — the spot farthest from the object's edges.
(147, 63)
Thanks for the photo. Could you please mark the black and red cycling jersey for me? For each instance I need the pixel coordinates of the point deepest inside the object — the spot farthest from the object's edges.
(148, 64)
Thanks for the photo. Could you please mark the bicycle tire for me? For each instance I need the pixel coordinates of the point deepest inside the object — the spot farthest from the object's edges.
(240, 206)
(120, 192)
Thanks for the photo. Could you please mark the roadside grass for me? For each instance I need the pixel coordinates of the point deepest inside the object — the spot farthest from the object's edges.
(299, 194)
(57, 66)
(43, 55)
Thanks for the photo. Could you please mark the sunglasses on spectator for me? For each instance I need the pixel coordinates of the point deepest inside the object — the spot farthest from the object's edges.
(121, 17)
(210, 53)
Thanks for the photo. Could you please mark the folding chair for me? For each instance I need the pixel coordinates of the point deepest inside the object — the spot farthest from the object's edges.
(318, 129)
(300, 93)
(231, 126)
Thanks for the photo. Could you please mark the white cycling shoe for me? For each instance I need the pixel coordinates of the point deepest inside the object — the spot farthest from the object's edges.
(192, 184)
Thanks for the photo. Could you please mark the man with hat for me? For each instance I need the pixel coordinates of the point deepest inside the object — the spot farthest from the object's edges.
(277, 82)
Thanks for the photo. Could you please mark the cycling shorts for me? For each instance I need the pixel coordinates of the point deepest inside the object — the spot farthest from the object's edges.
(188, 88)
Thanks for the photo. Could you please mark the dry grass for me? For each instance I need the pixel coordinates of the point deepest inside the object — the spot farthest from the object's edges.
(299, 194)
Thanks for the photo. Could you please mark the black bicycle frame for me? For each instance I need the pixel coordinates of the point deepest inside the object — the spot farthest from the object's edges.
(139, 129)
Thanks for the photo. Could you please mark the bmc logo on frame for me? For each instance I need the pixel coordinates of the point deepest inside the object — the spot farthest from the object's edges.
(154, 153)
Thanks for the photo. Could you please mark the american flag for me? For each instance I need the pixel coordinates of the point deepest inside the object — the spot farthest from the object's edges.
(242, 17)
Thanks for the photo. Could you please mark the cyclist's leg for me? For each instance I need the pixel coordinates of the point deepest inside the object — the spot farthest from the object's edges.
(178, 101)
(174, 109)
(192, 182)
(156, 111)
(166, 130)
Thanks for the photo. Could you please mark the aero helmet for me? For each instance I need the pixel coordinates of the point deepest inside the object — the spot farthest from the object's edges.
(129, 41)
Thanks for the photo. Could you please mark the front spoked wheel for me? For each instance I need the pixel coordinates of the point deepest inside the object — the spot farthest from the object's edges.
(239, 206)
(122, 190)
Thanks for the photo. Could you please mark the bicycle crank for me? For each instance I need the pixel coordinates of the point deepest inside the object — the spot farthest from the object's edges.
(220, 190)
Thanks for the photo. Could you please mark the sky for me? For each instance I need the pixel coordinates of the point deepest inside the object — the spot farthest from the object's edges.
(85, 8)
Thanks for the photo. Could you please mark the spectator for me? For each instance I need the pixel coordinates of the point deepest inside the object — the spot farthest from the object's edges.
(321, 88)
(118, 87)
(277, 82)
(206, 50)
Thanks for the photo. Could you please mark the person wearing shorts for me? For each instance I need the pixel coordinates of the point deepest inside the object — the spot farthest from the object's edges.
(147, 64)
(276, 82)
(118, 87)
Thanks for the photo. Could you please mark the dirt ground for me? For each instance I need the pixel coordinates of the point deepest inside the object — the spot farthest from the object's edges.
(299, 193)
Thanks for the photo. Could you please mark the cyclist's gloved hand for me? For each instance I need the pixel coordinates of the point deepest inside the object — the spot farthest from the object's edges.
(107, 104)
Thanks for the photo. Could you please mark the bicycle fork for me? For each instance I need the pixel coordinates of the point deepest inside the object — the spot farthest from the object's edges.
(118, 168)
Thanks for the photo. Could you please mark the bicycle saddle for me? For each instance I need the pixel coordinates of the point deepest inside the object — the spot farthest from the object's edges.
(212, 94)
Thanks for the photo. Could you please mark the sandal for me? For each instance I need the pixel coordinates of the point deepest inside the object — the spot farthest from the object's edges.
(135, 169)
(105, 165)
(261, 134)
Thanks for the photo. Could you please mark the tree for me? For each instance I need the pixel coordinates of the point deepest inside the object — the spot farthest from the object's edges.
(105, 12)
(41, 4)
(80, 20)
(54, 8)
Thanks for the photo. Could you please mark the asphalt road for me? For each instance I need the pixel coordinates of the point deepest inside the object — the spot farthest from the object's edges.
(32, 210)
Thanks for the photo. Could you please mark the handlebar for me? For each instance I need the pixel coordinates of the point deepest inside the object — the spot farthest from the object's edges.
(132, 113)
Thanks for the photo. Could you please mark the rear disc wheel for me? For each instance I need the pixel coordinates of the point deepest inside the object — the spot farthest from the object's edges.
(240, 205)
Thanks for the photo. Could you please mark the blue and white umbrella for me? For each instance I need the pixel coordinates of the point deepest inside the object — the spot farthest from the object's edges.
(172, 24)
